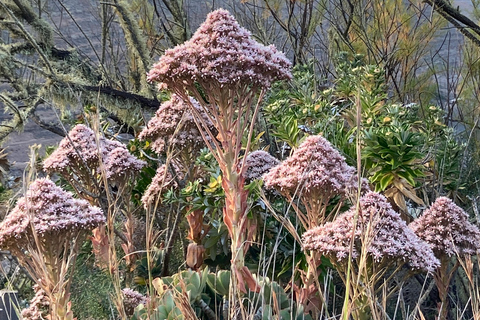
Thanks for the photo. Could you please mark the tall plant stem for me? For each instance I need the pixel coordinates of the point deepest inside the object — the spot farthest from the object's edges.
(443, 277)
(346, 302)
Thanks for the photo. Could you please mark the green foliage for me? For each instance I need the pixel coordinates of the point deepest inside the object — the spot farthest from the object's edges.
(398, 141)
(276, 303)
(447, 164)
(294, 107)
(168, 290)
(191, 282)
(219, 282)
(216, 243)
(167, 310)
(142, 270)
(392, 153)
(269, 303)
(353, 74)
(91, 289)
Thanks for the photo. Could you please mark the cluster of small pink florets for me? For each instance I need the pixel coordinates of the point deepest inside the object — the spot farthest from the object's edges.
(80, 149)
(38, 308)
(257, 163)
(445, 227)
(56, 215)
(314, 168)
(161, 182)
(388, 237)
(220, 53)
(77, 149)
(120, 164)
(163, 129)
(131, 299)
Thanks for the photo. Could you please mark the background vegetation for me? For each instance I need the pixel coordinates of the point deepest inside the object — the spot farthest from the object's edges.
(409, 69)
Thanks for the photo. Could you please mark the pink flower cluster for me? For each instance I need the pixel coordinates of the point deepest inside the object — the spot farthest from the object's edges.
(120, 164)
(55, 214)
(220, 53)
(161, 182)
(258, 163)
(80, 149)
(131, 299)
(445, 227)
(379, 228)
(163, 129)
(77, 149)
(39, 305)
(315, 168)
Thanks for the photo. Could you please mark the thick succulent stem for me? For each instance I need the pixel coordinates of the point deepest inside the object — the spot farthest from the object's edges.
(442, 277)
(234, 216)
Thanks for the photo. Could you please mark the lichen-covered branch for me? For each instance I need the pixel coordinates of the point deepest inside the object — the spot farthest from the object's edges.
(465, 25)
(17, 121)
(135, 44)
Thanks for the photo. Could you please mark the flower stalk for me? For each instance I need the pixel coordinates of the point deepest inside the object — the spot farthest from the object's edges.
(231, 69)
(445, 227)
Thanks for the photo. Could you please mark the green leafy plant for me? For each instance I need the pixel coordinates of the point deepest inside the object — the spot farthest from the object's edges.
(395, 162)
(295, 107)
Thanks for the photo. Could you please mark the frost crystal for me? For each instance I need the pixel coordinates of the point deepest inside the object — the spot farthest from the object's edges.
(378, 225)
(445, 227)
(257, 163)
(220, 53)
(163, 129)
(55, 215)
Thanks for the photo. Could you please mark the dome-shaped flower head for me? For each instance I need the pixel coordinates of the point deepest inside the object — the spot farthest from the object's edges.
(173, 124)
(314, 170)
(380, 228)
(161, 182)
(55, 215)
(120, 164)
(220, 53)
(257, 163)
(445, 227)
(76, 150)
(118, 161)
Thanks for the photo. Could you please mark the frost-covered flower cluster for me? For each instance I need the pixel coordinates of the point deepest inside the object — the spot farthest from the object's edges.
(315, 168)
(220, 53)
(131, 299)
(38, 308)
(385, 235)
(80, 149)
(445, 227)
(54, 213)
(257, 163)
(163, 129)
(161, 182)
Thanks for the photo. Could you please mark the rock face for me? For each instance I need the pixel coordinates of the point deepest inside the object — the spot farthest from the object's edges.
(86, 15)
(8, 265)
